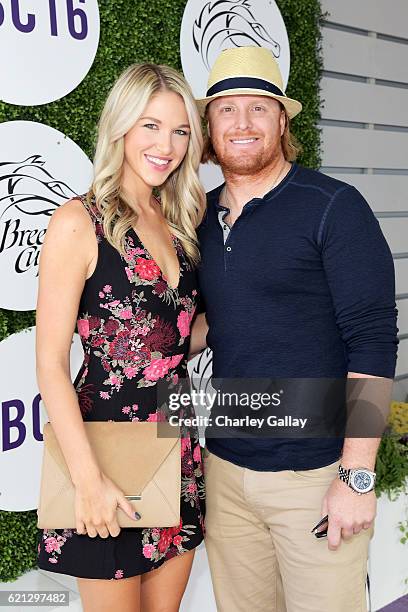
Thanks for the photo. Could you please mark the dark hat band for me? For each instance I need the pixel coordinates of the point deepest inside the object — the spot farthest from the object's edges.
(244, 83)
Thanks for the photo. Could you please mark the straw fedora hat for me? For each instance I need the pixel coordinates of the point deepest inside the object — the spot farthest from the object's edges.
(247, 70)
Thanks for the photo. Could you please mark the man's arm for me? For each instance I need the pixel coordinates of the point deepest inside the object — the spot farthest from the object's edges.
(348, 511)
(360, 274)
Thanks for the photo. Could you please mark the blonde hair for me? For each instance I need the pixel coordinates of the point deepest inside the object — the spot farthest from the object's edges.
(291, 147)
(182, 195)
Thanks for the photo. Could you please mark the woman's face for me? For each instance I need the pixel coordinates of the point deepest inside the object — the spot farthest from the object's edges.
(157, 143)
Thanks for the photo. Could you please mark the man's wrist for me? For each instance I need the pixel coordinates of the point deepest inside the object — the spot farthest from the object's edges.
(360, 479)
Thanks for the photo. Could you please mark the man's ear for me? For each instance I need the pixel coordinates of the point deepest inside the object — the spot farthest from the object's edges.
(282, 120)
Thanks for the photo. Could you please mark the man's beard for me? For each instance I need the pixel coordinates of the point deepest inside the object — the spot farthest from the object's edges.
(246, 165)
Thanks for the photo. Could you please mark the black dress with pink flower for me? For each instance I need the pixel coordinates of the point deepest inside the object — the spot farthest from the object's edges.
(135, 332)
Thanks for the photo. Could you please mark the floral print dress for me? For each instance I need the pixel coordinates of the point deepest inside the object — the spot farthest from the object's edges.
(135, 332)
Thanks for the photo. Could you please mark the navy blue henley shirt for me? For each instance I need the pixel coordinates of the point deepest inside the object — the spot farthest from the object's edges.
(303, 287)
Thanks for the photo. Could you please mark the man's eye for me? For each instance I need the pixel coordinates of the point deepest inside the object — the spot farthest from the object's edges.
(258, 108)
(150, 126)
(226, 109)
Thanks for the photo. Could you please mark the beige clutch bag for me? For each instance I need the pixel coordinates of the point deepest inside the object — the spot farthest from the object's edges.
(147, 468)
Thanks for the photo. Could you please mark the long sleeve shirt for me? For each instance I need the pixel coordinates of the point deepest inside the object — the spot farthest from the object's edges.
(301, 286)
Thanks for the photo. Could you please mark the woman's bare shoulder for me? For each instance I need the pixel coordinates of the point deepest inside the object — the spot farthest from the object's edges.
(72, 216)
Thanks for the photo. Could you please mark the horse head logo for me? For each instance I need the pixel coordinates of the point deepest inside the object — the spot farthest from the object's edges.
(223, 24)
(28, 187)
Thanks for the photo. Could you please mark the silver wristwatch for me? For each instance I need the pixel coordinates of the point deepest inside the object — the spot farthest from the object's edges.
(360, 480)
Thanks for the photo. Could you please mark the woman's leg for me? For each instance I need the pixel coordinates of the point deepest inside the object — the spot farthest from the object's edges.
(107, 595)
(162, 589)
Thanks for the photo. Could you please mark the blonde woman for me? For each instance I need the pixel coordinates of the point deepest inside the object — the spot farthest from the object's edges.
(120, 264)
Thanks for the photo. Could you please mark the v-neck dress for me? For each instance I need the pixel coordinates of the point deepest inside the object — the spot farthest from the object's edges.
(135, 331)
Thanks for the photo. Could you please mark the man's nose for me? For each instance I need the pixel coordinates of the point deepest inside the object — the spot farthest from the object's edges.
(243, 120)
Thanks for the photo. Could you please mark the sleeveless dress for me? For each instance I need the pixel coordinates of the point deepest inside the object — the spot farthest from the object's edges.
(134, 330)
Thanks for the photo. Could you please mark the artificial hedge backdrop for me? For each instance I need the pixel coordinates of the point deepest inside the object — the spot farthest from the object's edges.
(136, 31)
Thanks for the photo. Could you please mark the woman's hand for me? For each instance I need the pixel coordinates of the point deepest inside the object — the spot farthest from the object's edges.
(95, 507)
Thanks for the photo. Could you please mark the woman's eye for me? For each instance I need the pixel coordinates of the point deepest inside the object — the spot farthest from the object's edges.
(182, 132)
(150, 126)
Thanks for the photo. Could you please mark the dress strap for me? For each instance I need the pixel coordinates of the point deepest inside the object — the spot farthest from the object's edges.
(88, 200)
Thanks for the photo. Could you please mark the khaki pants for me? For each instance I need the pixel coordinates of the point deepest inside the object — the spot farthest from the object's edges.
(262, 555)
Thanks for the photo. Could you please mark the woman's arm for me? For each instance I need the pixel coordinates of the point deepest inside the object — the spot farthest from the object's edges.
(199, 331)
(68, 251)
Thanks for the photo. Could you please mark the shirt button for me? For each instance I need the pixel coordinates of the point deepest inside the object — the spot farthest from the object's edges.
(225, 227)
(228, 249)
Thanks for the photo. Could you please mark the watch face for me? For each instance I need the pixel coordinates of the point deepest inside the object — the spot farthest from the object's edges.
(362, 481)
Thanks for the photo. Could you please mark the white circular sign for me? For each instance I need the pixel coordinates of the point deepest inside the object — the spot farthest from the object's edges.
(40, 168)
(47, 48)
(22, 418)
(209, 27)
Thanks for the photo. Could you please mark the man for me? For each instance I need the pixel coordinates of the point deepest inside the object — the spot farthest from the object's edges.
(297, 282)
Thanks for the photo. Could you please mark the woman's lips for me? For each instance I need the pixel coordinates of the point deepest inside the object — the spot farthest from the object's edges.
(158, 163)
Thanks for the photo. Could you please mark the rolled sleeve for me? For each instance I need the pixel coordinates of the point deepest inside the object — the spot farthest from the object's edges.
(361, 278)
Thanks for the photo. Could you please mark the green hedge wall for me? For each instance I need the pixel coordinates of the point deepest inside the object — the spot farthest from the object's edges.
(135, 31)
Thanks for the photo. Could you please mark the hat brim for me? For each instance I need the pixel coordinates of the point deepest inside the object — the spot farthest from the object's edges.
(293, 107)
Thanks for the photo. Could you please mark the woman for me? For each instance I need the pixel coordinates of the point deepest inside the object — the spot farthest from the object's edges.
(121, 264)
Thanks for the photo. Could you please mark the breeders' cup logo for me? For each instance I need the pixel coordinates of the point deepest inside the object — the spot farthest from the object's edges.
(53, 47)
(32, 187)
(210, 27)
(229, 23)
(22, 417)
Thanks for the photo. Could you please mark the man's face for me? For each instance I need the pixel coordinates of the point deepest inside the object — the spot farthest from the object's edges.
(246, 132)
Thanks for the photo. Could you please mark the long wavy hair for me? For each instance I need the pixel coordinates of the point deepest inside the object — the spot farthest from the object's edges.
(182, 195)
(291, 147)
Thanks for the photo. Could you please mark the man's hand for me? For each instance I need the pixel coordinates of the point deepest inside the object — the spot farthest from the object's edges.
(348, 512)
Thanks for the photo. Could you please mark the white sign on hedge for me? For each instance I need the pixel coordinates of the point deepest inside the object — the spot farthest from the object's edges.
(22, 418)
(209, 27)
(40, 169)
(46, 47)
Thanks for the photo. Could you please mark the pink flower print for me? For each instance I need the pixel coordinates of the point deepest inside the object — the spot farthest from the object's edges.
(119, 574)
(126, 409)
(101, 294)
(185, 445)
(129, 273)
(148, 550)
(114, 380)
(52, 560)
(126, 313)
(183, 323)
(177, 540)
(175, 360)
(130, 371)
(51, 544)
(139, 251)
(107, 288)
(157, 368)
(192, 487)
(155, 533)
(194, 292)
(147, 269)
(135, 407)
(175, 378)
(135, 419)
(114, 303)
(197, 454)
(104, 395)
(83, 328)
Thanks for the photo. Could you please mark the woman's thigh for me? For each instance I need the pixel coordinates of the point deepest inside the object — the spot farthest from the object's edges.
(162, 589)
(107, 595)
